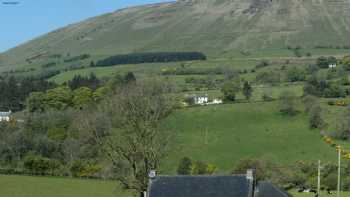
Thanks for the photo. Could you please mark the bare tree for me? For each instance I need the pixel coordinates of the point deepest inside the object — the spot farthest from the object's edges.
(130, 132)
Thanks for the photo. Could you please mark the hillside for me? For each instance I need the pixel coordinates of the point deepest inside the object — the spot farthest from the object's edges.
(216, 27)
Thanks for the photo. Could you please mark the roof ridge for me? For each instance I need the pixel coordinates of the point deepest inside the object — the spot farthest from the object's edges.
(236, 175)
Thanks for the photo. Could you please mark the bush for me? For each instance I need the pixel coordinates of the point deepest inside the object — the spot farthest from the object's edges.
(185, 166)
(271, 77)
(334, 91)
(37, 165)
(296, 74)
(315, 117)
(202, 168)
(230, 89)
(262, 64)
(330, 181)
(260, 167)
(287, 103)
(266, 97)
(331, 102)
(81, 168)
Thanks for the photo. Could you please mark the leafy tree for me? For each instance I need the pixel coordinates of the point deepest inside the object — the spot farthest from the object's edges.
(270, 77)
(131, 118)
(343, 126)
(230, 89)
(310, 101)
(247, 90)
(345, 81)
(101, 93)
(262, 64)
(334, 91)
(82, 97)
(296, 74)
(288, 103)
(90, 81)
(185, 166)
(315, 117)
(58, 98)
(202, 168)
(129, 77)
(36, 102)
(199, 168)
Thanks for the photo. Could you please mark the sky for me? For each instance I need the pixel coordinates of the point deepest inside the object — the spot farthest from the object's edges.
(32, 18)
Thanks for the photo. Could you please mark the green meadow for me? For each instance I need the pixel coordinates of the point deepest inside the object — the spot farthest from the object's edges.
(26, 186)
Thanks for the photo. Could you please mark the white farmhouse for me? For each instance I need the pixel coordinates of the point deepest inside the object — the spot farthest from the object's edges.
(5, 116)
(201, 100)
(332, 65)
(217, 101)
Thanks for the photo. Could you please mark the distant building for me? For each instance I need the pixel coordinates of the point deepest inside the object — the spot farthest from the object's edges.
(332, 65)
(216, 101)
(200, 100)
(212, 186)
(5, 116)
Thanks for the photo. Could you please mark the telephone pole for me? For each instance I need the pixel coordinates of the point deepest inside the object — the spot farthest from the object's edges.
(338, 186)
(319, 178)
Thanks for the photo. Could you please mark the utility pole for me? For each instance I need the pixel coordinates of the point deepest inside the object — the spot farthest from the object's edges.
(319, 178)
(338, 186)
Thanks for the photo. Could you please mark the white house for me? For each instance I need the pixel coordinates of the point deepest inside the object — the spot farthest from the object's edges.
(217, 101)
(5, 116)
(332, 65)
(200, 100)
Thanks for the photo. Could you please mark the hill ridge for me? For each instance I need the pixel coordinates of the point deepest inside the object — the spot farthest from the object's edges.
(213, 27)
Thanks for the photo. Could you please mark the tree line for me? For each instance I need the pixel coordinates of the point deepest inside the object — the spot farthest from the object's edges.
(155, 57)
(14, 91)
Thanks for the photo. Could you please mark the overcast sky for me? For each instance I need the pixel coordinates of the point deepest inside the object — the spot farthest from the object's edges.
(31, 18)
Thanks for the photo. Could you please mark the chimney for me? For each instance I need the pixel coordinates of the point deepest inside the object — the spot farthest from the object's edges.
(250, 176)
(152, 174)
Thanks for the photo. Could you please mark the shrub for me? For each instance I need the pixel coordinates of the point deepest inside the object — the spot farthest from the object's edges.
(185, 166)
(38, 165)
(230, 89)
(315, 117)
(287, 103)
(262, 64)
(331, 102)
(260, 167)
(267, 97)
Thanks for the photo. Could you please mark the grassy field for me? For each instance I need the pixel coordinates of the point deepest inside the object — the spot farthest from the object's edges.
(224, 134)
(25, 186)
(220, 135)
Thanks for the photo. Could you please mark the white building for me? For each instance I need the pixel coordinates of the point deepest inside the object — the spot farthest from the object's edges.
(200, 100)
(217, 101)
(332, 65)
(5, 116)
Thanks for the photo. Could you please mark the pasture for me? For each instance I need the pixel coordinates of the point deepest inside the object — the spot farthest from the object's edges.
(224, 134)
(26, 186)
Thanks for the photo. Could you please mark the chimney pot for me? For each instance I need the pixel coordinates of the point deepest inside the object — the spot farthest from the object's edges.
(152, 174)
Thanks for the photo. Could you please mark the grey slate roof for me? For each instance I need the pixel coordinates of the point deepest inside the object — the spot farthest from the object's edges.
(209, 186)
(199, 186)
(266, 189)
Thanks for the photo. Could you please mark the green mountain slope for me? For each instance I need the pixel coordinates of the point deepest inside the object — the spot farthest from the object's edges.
(216, 27)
